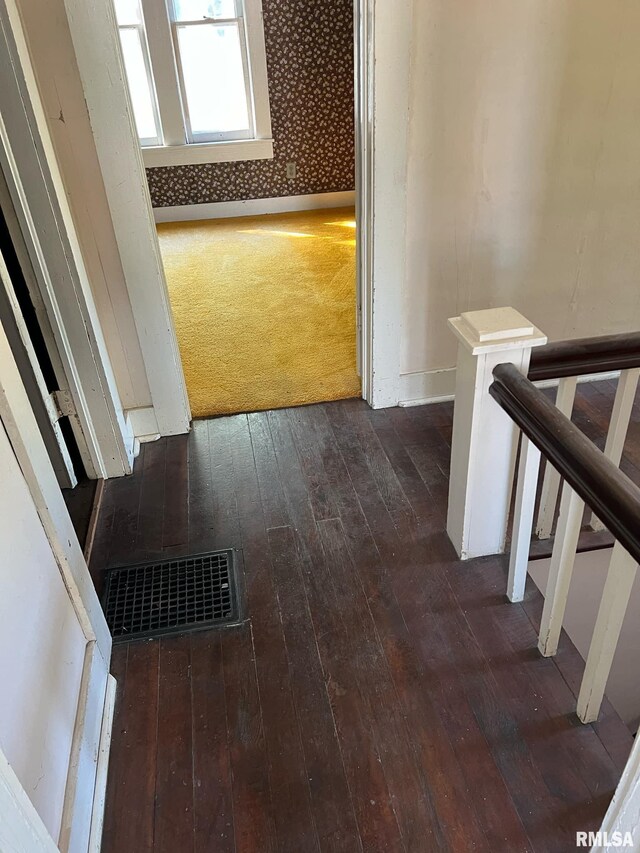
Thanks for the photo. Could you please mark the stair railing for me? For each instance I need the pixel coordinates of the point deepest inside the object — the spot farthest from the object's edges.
(566, 361)
(496, 402)
(589, 478)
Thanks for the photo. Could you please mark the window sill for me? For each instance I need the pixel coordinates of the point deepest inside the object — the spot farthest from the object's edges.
(211, 152)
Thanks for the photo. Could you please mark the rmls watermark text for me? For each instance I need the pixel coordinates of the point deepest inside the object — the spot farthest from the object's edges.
(604, 839)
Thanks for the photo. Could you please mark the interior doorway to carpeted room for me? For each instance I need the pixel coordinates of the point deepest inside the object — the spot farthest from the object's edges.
(264, 308)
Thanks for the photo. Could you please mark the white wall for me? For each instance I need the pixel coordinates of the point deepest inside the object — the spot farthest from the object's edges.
(523, 172)
(41, 650)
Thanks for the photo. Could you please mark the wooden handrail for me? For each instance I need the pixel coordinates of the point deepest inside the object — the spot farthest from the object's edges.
(613, 497)
(585, 355)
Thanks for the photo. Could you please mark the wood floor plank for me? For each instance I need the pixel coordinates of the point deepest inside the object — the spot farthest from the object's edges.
(592, 415)
(200, 535)
(213, 822)
(390, 625)
(506, 706)
(331, 802)
(124, 527)
(287, 774)
(453, 646)
(382, 471)
(251, 795)
(132, 767)
(174, 819)
(149, 532)
(175, 522)
(319, 490)
(370, 794)
(296, 493)
(335, 824)
(413, 485)
(271, 493)
(446, 775)
(225, 521)
(252, 808)
(415, 813)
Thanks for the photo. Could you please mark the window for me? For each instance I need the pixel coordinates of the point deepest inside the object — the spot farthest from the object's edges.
(197, 79)
(136, 63)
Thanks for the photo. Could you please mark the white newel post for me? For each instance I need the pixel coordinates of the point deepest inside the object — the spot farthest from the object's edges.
(484, 441)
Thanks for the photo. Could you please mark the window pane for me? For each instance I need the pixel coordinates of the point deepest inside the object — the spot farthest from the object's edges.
(139, 85)
(196, 10)
(128, 12)
(213, 78)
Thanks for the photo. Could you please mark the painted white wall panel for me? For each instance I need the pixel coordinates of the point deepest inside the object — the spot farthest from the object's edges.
(41, 650)
(523, 169)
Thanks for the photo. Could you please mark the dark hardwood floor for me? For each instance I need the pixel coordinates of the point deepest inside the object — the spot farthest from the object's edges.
(381, 696)
(79, 501)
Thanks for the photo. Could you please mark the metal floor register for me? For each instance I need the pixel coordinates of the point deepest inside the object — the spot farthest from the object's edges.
(171, 596)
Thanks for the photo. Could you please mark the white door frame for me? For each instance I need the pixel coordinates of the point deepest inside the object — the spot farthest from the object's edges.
(363, 92)
(104, 435)
(97, 48)
(43, 403)
(381, 36)
(382, 41)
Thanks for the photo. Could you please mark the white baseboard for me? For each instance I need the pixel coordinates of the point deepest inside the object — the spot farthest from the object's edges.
(439, 386)
(253, 207)
(102, 768)
(429, 386)
(144, 424)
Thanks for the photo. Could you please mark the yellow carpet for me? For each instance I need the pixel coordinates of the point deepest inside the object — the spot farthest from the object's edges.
(264, 308)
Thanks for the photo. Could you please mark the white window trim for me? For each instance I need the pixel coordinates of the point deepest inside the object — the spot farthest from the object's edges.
(176, 151)
(207, 152)
(257, 56)
(142, 36)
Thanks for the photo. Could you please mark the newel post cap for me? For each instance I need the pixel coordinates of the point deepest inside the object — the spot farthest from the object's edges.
(495, 329)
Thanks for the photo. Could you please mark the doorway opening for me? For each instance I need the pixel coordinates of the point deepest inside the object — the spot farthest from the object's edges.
(255, 208)
(31, 340)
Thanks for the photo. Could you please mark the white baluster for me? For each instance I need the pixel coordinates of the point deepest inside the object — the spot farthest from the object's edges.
(528, 468)
(562, 560)
(613, 606)
(619, 424)
(551, 483)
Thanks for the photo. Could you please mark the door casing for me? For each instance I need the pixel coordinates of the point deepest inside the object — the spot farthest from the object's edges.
(43, 401)
(103, 433)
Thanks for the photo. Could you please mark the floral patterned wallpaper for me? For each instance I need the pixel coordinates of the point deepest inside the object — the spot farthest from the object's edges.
(309, 46)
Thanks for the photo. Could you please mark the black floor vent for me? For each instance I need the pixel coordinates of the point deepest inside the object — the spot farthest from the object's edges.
(172, 596)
